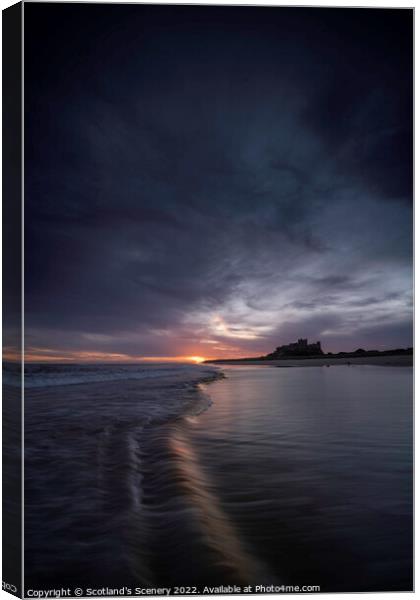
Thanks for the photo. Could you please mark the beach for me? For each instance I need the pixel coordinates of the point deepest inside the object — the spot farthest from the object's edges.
(203, 476)
(314, 467)
(324, 361)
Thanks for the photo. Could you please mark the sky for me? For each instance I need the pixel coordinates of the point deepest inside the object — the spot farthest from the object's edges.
(216, 181)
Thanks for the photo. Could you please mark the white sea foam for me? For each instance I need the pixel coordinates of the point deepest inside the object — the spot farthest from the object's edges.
(46, 375)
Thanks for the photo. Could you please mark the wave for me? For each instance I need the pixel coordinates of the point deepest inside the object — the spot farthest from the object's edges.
(37, 375)
(100, 463)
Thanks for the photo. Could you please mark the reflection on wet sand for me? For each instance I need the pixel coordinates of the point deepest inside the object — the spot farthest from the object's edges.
(313, 467)
(219, 532)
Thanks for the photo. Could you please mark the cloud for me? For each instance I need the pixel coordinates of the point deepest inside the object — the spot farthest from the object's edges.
(218, 180)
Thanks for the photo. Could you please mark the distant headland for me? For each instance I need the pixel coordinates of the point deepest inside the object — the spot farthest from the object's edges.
(312, 353)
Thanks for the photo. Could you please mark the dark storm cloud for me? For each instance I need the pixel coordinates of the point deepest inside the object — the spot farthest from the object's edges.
(216, 176)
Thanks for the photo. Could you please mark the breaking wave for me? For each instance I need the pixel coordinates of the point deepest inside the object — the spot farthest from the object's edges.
(43, 375)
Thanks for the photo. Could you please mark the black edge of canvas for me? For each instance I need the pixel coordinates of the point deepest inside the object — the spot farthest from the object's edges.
(12, 297)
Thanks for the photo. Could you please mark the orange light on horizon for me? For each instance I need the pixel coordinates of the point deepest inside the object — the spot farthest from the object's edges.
(196, 359)
(50, 355)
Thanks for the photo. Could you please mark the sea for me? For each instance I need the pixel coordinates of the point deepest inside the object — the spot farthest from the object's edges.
(195, 475)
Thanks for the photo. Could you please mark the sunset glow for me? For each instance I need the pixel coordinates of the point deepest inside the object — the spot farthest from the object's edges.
(53, 356)
(196, 359)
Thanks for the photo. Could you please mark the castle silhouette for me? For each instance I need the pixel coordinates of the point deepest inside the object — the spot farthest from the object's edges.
(299, 348)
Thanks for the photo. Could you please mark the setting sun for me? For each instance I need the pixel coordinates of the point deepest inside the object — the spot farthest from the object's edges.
(196, 359)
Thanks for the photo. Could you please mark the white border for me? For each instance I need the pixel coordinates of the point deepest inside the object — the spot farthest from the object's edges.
(23, 299)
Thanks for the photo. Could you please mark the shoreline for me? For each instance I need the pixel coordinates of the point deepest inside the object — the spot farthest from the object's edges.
(325, 361)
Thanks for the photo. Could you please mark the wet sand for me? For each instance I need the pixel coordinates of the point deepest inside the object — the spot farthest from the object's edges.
(313, 469)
